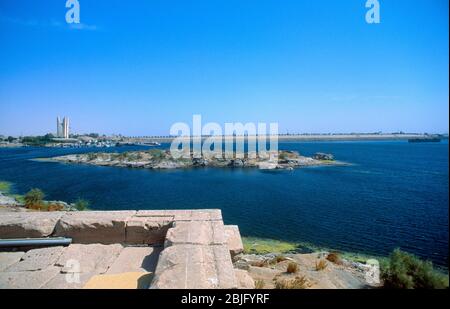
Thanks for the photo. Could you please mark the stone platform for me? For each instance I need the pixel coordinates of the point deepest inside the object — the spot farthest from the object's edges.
(182, 249)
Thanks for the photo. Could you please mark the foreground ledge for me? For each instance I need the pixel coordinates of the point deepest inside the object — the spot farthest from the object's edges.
(196, 247)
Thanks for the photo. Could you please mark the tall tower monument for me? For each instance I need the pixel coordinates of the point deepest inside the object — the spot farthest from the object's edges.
(62, 127)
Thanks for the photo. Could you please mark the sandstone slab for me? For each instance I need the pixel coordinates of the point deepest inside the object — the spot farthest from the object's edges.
(196, 233)
(147, 230)
(184, 215)
(8, 259)
(94, 226)
(37, 259)
(135, 259)
(27, 279)
(68, 281)
(28, 224)
(195, 267)
(92, 258)
(234, 241)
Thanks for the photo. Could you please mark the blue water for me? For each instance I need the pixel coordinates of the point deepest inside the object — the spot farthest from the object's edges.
(394, 195)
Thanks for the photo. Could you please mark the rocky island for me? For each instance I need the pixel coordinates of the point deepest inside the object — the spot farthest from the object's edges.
(163, 159)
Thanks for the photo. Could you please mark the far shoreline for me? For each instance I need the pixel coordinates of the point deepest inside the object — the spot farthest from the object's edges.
(143, 140)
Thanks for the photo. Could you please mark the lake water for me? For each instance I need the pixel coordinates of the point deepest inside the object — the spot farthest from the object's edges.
(394, 194)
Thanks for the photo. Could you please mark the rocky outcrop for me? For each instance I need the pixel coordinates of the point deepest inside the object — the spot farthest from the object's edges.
(271, 270)
(163, 159)
(8, 201)
(323, 156)
(244, 280)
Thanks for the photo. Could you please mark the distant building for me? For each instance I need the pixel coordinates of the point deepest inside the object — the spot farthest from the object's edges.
(62, 127)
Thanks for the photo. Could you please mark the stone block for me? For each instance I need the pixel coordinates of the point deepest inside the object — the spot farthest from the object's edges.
(28, 224)
(197, 233)
(234, 241)
(93, 258)
(37, 259)
(194, 267)
(147, 230)
(94, 227)
(135, 259)
(27, 279)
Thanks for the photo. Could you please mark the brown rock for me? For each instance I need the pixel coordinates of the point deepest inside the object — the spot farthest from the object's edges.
(244, 280)
(27, 224)
(94, 226)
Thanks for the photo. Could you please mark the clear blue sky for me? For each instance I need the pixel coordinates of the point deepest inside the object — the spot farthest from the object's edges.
(135, 67)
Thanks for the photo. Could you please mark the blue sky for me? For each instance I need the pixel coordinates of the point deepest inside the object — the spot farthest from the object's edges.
(136, 67)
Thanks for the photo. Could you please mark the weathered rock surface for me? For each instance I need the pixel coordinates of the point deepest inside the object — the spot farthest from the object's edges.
(27, 279)
(8, 259)
(94, 226)
(195, 267)
(92, 258)
(323, 156)
(197, 252)
(333, 276)
(183, 215)
(245, 281)
(37, 259)
(147, 230)
(8, 201)
(27, 224)
(163, 159)
(68, 280)
(233, 239)
(196, 233)
(135, 259)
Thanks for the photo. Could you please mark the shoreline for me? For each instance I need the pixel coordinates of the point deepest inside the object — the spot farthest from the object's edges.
(281, 138)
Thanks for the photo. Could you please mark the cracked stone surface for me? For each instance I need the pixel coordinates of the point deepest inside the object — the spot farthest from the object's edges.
(27, 279)
(37, 259)
(93, 258)
(9, 258)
